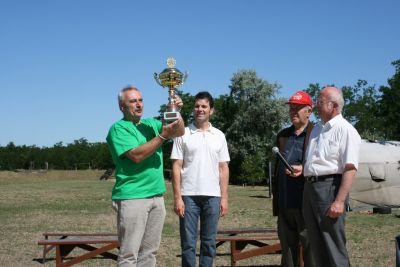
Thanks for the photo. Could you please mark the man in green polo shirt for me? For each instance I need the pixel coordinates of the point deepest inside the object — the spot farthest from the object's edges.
(135, 146)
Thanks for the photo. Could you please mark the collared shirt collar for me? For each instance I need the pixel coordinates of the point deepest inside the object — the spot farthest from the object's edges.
(125, 120)
(193, 129)
(335, 120)
(293, 130)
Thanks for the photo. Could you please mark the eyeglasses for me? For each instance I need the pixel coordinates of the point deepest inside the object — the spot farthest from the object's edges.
(297, 107)
(320, 102)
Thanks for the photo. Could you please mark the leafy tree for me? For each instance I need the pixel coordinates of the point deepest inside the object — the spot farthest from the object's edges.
(255, 115)
(58, 157)
(102, 156)
(9, 157)
(251, 172)
(389, 105)
(224, 109)
(313, 90)
(361, 109)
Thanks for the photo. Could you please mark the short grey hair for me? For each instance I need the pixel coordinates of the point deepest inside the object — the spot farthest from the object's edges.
(337, 97)
(123, 90)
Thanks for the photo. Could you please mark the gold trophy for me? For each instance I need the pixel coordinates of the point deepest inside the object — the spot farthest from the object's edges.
(172, 78)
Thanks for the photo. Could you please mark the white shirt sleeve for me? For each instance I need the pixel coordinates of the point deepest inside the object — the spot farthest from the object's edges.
(350, 153)
(177, 148)
(224, 153)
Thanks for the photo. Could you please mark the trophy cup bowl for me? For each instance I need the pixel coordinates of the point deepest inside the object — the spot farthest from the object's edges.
(171, 78)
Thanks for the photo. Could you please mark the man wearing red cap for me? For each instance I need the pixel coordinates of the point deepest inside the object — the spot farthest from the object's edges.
(287, 187)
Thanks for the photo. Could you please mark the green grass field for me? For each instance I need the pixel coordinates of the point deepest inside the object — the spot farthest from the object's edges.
(33, 203)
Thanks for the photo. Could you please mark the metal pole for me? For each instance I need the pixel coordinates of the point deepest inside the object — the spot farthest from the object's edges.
(269, 178)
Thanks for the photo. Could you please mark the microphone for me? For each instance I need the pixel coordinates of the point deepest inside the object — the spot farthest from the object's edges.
(287, 165)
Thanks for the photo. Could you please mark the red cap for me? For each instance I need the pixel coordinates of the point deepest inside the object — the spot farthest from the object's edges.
(301, 98)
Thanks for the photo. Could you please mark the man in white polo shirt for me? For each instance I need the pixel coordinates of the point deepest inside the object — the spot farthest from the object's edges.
(200, 176)
(329, 171)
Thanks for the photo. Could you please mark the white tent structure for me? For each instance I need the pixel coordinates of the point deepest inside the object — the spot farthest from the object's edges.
(378, 177)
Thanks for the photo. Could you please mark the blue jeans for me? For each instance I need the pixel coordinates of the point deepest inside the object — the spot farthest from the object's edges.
(205, 208)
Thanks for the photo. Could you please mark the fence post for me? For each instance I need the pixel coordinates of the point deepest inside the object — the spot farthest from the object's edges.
(397, 251)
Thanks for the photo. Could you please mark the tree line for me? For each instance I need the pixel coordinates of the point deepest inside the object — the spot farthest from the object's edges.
(79, 155)
(250, 115)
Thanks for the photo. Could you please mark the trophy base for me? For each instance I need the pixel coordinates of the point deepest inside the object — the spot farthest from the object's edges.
(171, 116)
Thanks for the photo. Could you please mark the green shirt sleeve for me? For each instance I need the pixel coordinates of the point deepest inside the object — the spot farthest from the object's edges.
(121, 139)
(124, 136)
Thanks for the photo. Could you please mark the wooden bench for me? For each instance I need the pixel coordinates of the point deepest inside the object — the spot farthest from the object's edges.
(66, 242)
(240, 238)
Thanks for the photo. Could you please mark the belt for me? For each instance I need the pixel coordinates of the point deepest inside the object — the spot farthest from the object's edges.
(316, 178)
(158, 195)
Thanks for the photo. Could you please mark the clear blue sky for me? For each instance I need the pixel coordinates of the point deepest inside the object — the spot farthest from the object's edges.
(63, 62)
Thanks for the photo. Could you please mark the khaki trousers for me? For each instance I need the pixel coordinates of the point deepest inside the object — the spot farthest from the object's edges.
(140, 223)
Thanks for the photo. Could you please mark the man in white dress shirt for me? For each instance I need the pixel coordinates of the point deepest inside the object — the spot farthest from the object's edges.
(329, 170)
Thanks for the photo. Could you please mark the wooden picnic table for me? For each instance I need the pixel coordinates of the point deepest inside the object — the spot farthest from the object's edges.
(65, 242)
(265, 241)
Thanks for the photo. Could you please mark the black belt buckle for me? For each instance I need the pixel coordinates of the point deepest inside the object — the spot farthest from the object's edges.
(315, 178)
(311, 179)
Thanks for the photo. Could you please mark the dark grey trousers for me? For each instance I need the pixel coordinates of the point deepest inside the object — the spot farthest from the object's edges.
(326, 235)
(292, 232)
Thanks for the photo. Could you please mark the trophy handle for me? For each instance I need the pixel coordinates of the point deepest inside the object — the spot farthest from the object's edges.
(157, 80)
(184, 77)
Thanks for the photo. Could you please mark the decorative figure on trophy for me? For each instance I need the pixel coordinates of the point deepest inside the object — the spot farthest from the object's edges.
(171, 78)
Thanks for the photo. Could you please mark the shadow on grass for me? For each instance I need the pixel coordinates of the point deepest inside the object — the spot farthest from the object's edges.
(40, 260)
(66, 259)
(248, 265)
(259, 196)
(198, 255)
(237, 265)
